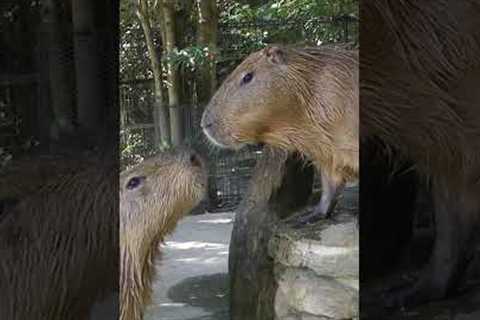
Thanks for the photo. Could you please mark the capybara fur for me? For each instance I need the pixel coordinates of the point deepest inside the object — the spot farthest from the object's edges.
(59, 240)
(420, 70)
(298, 99)
(154, 195)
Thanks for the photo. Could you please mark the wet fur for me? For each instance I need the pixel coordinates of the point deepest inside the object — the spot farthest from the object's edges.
(147, 214)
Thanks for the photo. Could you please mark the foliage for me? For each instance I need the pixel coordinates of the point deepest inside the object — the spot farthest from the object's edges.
(244, 26)
(234, 11)
(134, 60)
(188, 59)
(133, 148)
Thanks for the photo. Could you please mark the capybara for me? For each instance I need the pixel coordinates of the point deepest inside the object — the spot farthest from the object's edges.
(298, 99)
(420, 70)
(59, 240)
(154, 195)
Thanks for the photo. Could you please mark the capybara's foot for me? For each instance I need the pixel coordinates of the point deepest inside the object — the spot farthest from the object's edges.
(310, 217)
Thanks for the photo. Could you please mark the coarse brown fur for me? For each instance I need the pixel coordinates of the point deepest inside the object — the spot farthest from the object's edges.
(58, 242)
(417, 62)
(300, 99)
(420, 69)
(308, 102)
(172, 183)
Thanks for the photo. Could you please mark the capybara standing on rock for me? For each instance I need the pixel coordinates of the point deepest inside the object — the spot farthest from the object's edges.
(303, 100)
(153, 196)
(420, 75)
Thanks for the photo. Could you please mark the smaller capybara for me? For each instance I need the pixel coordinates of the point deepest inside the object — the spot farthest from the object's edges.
(298, 99)
(154, 195)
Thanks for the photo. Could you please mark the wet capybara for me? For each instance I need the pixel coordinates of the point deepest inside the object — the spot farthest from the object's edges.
(420, 69)
(298, 99)
(154, 195)
(58, 241)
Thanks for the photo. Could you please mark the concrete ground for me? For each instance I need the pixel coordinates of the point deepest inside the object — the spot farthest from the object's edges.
(192, 279)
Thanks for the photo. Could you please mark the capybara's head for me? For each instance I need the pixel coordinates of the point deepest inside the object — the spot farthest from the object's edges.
(155, 194)
(256, 100)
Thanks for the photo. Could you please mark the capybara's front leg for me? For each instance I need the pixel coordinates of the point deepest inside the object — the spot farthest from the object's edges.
(456, 216)
(332, 187)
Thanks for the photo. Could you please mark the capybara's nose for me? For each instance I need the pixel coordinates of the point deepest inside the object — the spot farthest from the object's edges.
(195, 160)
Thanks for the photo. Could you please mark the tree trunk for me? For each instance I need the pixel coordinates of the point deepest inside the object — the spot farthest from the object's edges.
(206, 79)
(280, 185)
(61, 69)
(207, 37)
(176, 117)
(90, 99)
(45, 116)
(160, 114)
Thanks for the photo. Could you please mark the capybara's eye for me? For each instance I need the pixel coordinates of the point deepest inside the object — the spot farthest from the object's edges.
(134, 182)
(247, 78)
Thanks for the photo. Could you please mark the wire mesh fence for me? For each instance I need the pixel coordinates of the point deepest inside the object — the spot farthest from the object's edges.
(229, 172)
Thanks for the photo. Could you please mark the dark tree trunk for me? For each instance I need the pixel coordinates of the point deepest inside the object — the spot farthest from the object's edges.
(160, 113)
(61, 67)
(45, 115)
(207, 37)
(90, 100)
(206, 79)
(279, 186)
(176, 116)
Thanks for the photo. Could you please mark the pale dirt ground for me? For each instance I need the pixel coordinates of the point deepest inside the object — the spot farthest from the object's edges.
(192, 280)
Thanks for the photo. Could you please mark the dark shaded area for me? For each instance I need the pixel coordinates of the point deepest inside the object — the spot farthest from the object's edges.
(387, 211)
(210, 292)
(419, 103)
(58, 159)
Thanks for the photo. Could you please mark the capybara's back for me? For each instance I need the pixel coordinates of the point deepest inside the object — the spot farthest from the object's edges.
(154, 195)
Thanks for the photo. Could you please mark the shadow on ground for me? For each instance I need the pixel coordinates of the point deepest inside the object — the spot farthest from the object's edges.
(209, 292)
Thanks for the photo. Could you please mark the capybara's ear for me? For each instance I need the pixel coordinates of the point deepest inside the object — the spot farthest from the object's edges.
(274, 54)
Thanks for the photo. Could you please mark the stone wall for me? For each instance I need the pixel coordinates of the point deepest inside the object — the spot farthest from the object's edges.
(317, 270)
(278, 272)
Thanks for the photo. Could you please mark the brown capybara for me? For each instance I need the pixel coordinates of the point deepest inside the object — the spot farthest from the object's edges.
(58, 241)
(154, 195)
(298, 99)
(420, 70)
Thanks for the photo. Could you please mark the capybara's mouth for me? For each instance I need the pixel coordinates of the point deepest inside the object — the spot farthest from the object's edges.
(211, 137)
